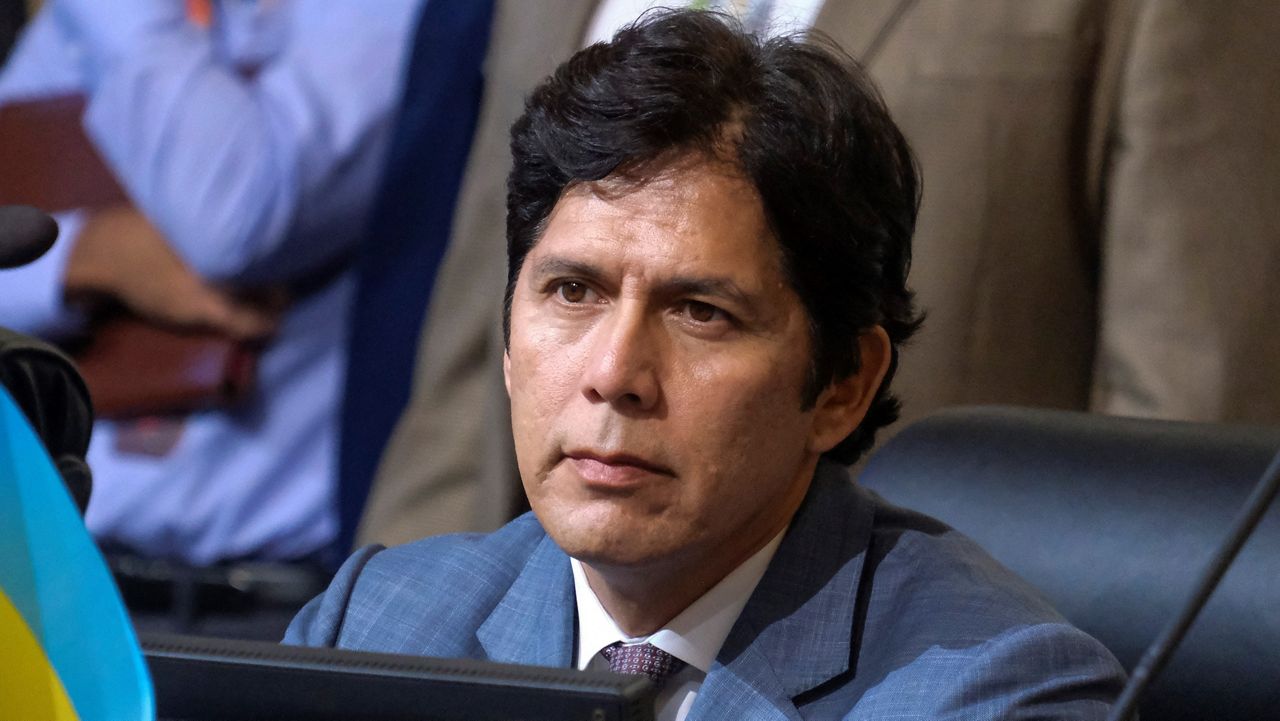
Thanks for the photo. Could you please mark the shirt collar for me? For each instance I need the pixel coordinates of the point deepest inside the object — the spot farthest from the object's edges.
(695, 635)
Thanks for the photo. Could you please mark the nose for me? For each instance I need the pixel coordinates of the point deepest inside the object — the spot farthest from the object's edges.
(621, 368)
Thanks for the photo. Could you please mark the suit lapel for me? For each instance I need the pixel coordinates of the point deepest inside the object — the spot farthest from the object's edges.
(534, 622)
(797, 630)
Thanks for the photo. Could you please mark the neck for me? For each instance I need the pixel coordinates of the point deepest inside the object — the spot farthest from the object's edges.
(643, 600)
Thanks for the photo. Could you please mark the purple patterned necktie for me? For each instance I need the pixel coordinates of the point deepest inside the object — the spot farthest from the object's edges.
(644, 659)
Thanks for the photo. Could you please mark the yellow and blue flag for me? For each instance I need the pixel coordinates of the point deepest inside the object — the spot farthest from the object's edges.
(67, 649)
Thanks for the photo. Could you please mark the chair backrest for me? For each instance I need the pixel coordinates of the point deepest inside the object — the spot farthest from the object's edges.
(1113, 519)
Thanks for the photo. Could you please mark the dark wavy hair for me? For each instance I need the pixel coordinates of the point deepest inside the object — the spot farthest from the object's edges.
(802, 122)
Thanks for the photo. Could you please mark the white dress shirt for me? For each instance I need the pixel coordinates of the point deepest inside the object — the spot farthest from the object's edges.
(694, 636)
(784, 16)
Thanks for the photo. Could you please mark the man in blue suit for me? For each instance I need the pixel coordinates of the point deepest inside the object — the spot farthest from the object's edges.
(708, 244)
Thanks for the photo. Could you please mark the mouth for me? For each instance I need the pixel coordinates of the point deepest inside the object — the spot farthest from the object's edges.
(614, 470)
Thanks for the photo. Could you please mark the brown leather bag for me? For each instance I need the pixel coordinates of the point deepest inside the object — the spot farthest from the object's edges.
(132, 368)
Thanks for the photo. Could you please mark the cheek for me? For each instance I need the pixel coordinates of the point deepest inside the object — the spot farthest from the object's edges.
(747, 415)
(537, 395)
(546, 362)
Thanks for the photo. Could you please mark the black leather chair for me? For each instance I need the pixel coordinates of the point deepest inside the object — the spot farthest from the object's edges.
(47, 387)
(1113, 519)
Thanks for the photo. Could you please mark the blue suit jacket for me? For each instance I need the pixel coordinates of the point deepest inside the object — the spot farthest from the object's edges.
(867, 611)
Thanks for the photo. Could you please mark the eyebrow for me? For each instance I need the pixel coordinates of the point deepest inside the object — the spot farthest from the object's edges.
(553, 265)
(714, 286)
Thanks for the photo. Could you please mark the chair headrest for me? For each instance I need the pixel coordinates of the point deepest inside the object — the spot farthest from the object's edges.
(1113, 519)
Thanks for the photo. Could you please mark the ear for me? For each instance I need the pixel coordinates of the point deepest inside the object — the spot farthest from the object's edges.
(842, 405)
(506, 371)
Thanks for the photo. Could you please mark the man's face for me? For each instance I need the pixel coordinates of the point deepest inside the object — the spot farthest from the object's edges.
(656, 363)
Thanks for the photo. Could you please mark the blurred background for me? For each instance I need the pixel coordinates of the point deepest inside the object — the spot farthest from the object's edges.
(280, 262)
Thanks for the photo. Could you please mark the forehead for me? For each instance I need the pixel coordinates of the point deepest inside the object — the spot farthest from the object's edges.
(700, 218)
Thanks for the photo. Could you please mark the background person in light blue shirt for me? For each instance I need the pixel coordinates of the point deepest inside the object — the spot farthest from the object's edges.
(254, 145)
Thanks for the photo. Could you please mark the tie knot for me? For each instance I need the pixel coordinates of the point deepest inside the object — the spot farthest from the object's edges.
(642, 658)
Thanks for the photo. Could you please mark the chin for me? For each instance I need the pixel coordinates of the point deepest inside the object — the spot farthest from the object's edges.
(590, 544)
(621, 531)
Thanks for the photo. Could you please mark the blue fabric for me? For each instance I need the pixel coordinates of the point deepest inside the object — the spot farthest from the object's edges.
(867, 611)
(412, 220)
(52, 574)
(256, 148)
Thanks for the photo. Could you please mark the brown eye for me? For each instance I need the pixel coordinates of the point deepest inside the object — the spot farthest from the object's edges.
(702, 312)
(572, 292)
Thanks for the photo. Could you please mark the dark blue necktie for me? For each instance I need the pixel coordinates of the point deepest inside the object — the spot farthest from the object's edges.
(410, 225)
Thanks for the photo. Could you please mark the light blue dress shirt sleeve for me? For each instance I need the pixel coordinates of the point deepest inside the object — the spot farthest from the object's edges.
(256, 175)
(31, 296)
(260, 178)
(41, 65)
